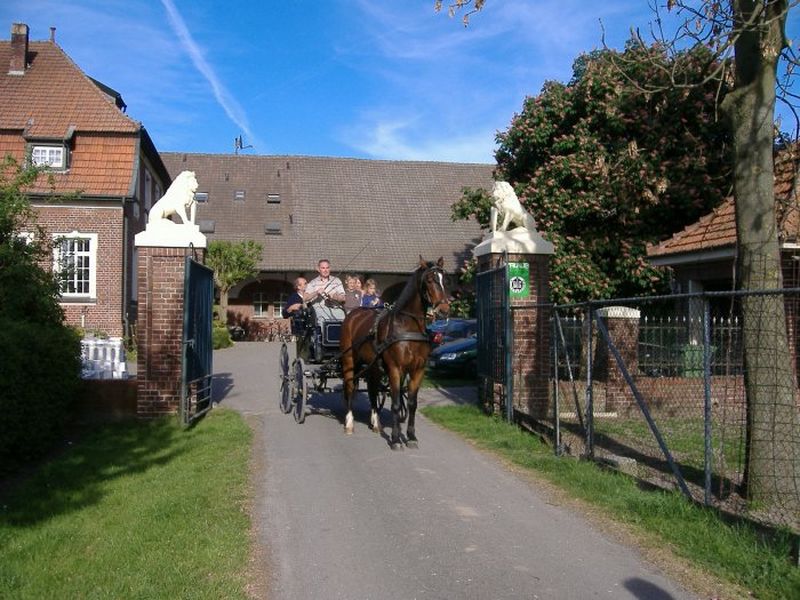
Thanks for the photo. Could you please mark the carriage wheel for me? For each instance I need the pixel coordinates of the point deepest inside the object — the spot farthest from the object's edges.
(301, 391)
(286, 380)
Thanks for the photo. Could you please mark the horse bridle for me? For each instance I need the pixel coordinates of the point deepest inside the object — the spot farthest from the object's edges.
(423, 290)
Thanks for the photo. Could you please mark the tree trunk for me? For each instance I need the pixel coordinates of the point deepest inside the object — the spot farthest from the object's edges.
(223, 305)
(773, 450)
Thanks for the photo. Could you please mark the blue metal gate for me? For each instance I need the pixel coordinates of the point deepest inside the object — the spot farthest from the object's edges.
(197, 341)
(495, 334)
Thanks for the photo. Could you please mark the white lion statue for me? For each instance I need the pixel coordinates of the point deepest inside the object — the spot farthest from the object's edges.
(178, 198)
(507, 203)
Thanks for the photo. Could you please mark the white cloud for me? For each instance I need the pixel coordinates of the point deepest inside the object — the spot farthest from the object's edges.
(228, 103)
(402, 140)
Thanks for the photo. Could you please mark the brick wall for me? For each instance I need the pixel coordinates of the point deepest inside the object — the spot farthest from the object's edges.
(160, 329)
(105, 312)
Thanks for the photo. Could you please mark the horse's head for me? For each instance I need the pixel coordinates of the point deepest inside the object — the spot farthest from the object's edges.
(432, 287)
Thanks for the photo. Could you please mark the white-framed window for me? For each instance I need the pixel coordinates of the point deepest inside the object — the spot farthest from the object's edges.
(266, 306)
(45, 155)
(260, 304)
(75, 263)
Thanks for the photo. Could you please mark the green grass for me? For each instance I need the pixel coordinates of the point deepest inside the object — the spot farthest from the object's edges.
(135, 510)
(683, 436)
(732, 552)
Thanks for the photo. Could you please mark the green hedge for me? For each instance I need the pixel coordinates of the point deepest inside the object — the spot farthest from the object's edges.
(39, 380)
(220, 336)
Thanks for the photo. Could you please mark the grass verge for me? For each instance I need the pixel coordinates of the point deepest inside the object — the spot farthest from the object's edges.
(736, 553)
(134, 510)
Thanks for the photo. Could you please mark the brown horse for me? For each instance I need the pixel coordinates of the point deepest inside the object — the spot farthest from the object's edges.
(394, 342)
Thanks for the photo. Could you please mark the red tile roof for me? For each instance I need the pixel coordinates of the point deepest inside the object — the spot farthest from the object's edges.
(54, 95)
(54, 99)
(718, 229)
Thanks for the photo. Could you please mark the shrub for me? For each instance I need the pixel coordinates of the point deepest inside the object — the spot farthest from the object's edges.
(39, 380)
(220, 336)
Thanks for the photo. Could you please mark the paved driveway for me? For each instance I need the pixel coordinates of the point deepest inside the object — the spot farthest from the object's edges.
(345, 517)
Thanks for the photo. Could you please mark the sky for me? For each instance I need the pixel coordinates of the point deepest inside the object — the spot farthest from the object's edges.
(375, 79)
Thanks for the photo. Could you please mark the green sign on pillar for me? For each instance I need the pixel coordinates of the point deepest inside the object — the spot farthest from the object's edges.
(518, 277)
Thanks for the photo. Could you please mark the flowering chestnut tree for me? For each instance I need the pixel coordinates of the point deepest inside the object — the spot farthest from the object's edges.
(605, 169)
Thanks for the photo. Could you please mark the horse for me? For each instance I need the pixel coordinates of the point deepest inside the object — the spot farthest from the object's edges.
(394, 342)
(505, 202)
(176, 200)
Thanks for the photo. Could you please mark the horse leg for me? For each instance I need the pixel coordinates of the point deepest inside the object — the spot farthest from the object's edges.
(413, 389)
(373, 386)
(394, 384)
(348, 389)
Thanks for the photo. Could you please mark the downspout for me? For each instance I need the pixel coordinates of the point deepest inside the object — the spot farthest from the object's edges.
(125, 262)
(126, 259)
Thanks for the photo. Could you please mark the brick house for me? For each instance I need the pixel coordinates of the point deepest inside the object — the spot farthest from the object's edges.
(702, 255)
(105, 170)
(371, 217)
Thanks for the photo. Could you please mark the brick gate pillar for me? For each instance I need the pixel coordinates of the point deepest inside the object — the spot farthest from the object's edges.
(161, 251)
(530, 318)
(622, 324)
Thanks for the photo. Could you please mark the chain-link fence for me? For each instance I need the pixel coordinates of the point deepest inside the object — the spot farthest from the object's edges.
(696, 391)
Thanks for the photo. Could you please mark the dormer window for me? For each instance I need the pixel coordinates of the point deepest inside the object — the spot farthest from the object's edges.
(49, 155)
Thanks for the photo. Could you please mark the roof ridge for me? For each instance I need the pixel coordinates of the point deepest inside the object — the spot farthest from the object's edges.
(325, 157)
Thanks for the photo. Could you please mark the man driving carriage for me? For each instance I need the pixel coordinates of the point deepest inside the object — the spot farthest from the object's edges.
(325, 293)
(324, 297)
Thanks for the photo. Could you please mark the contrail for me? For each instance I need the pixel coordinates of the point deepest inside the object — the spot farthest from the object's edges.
(226, 101)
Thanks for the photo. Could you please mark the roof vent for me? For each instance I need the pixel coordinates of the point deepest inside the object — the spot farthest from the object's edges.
(19, 49)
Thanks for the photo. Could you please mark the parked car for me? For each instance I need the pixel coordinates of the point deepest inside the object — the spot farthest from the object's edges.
(441, 332)
(459, 357)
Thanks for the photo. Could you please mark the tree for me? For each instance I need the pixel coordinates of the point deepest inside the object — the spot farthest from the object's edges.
(748, 40)
(27, 291)
(606, 170)
(232, 263)
(40, 365)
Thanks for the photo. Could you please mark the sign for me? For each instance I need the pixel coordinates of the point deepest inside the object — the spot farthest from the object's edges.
(518, 277)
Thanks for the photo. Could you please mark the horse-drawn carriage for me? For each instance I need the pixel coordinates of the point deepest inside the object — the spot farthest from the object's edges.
(317, 360)
(386, 347)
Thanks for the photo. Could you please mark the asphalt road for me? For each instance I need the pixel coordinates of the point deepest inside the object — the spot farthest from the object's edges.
(346, 517)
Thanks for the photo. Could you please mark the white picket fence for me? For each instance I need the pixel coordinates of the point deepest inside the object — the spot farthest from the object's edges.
(103, 358)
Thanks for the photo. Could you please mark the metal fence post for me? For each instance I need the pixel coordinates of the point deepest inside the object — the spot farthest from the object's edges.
(509, 333)
(707, 400)
(589, 394)
(556, 410)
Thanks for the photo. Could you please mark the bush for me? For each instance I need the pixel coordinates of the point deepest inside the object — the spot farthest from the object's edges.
(39, 380)
(220, 336)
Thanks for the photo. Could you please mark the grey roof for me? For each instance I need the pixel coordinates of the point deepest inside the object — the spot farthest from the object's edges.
(363, 215)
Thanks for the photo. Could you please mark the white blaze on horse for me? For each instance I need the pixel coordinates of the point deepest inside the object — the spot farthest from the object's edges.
(177, 200)
(505, 202)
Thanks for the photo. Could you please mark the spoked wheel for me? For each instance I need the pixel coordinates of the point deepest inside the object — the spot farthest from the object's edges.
(300, 391)
(286, 380)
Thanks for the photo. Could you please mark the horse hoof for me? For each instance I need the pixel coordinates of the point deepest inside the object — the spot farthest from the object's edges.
(412, 444)
(348, 431)
(396, 446)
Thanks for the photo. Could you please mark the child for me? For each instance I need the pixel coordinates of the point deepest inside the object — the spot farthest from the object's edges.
(371, 297)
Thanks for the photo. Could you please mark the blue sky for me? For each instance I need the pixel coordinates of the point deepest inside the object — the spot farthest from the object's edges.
(382, 79)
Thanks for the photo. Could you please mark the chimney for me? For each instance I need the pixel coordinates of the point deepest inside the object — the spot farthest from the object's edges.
(53, 34)
(19, 49)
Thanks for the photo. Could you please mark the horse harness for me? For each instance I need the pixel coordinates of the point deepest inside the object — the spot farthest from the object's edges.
(392, 337)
